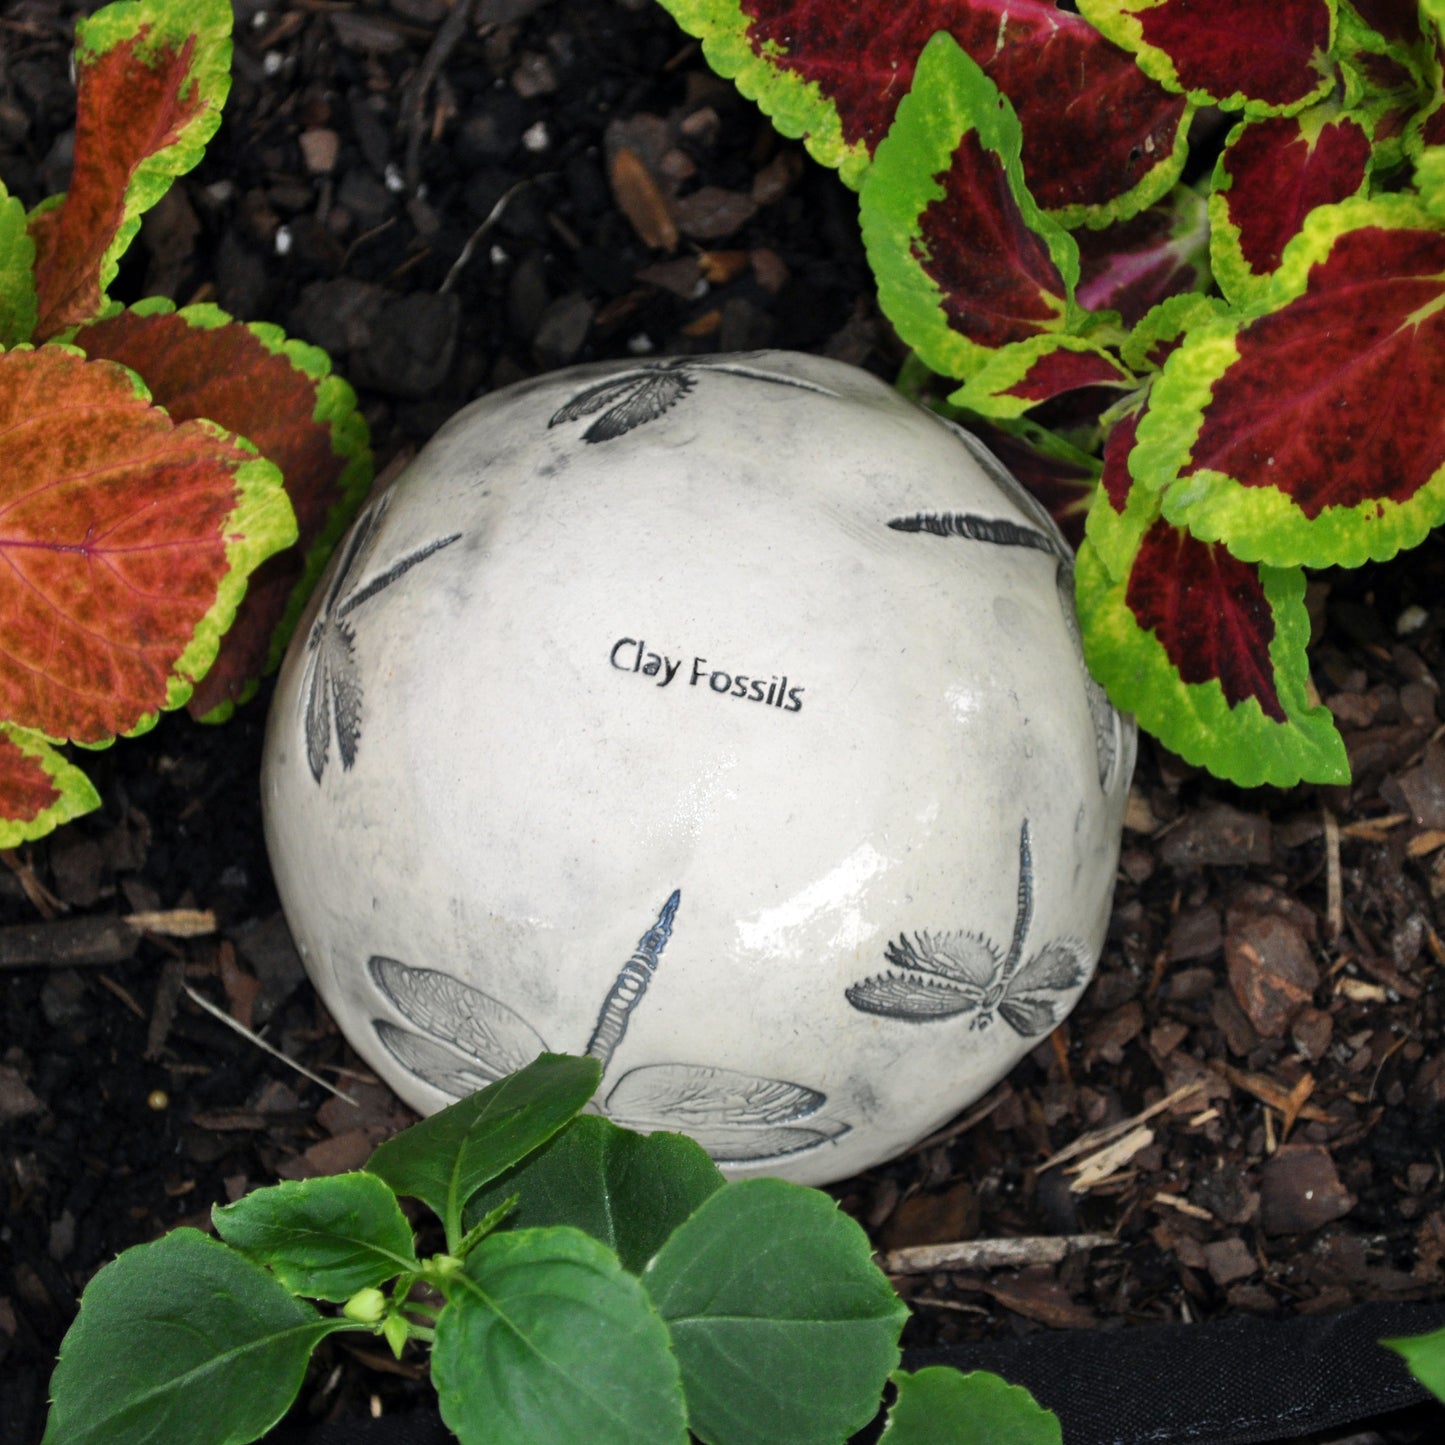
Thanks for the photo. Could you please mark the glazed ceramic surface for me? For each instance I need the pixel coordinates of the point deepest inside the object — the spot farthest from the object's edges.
(724, 718)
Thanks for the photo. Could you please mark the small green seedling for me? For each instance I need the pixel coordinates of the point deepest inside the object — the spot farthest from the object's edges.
(1214, 386)
(170, 481)
(594, 1284)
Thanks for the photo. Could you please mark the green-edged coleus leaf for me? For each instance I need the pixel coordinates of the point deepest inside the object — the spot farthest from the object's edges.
(1162, 328)
(1271, 174)
(966, 263)
(943, 1406)
(1208, 652)
(281, 396)
(1268, 59)
(324, 1238)
(151, 78)
(17, 279)
(127, 541)
(39, 789)
(1397, 22)
(834, 74)
(1314, 433)
(182, 1339)
(1390, 75)
(1019, 377)
(1135, 264)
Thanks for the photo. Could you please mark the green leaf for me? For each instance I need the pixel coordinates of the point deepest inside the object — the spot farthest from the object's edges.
(785, 1328)
(181, 1340)
(628, 1190)
(39, 789)
(1425, 1355)
(545, 1338)
(966, 261)
(17, 279)
(323, 1238)
(1025, 374)
(942, 1406)
(445, 1159)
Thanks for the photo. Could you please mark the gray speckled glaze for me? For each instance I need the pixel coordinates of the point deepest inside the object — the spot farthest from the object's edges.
(722, 717)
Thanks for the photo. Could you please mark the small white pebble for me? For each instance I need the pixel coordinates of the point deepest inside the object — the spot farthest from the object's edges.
(535, 137)
(1412, 619)
(393, 178)
(283, 240)
(498, 256)
(640, 344)
(272, 62)
(259, 20)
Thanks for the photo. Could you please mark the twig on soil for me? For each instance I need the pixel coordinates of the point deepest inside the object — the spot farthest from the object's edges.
(474, 240)
(1334, 890)
(989, 1253)
(1086, 1143)
(174, 922)
(202, 1002)
(448, 36)
(68, 942)
(1109, 1160)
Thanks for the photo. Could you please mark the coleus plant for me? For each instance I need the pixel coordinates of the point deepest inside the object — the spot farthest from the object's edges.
(1215, 386)
(595, 1285)
(154, 462)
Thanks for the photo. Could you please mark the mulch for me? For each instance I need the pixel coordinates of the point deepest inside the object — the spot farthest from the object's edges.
(1249, 1100)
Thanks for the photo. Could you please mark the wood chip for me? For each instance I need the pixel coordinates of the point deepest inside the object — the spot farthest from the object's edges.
(970, 1254)
(1174, 1201)
(1429, 841)
(1094, 1140)
(175, 922)
(1109, 1160)
(641, 200)
(1290, 1103)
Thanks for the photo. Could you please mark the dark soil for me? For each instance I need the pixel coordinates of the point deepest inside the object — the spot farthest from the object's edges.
(1277, 955)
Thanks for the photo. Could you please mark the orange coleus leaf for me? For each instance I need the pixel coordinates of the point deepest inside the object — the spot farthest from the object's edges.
(280, 395)
(151, 78)
(125, 544)
(39, 790)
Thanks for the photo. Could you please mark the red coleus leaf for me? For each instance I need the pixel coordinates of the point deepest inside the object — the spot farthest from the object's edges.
(151, 78)
(1314, 434)
(1397, 20)
(280, 395)
(1233, 53)
(1022, 376)
(1272, 173)
(834, 75)
(1135, 264)
(966, 263)
(39, 790)
(125, 542)
(1209, 612)
(1208, 652)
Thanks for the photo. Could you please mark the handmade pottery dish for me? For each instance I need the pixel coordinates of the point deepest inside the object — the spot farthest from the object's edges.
(724, 718)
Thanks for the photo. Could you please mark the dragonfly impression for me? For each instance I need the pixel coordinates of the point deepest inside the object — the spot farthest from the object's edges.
(461, 1039)
(332, 686)
(630, 398)
(942, 975)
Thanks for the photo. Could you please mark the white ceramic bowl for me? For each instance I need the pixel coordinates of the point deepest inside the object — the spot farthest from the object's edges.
(722, 717)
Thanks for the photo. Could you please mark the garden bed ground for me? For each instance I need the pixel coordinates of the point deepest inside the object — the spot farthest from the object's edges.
(1268, 1012)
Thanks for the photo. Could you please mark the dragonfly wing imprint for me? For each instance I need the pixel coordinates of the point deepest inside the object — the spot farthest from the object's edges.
(596, 398)
(433, 1063)
(734, 1116)
(498, 1038)
(658, 392)
(904, 996)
